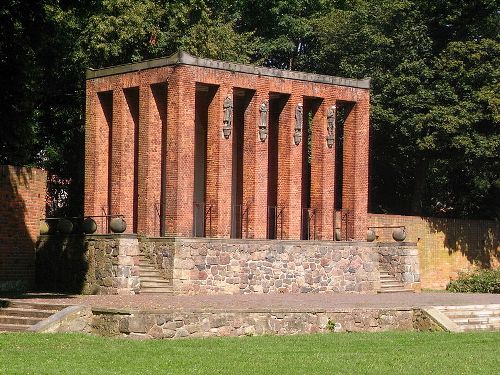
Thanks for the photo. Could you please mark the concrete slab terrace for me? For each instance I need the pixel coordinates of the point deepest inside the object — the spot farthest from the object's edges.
(265, 302)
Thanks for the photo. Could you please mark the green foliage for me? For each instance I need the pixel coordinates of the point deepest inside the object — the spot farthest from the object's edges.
(330, 325)
(435, 67)
(483, 281)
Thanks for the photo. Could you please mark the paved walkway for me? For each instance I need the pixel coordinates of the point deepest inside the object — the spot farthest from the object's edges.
(274, 302)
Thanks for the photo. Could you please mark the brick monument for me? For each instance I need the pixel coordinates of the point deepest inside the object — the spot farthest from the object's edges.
(184, 146)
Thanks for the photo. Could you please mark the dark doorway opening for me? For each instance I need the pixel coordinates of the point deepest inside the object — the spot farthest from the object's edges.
(132, 98)
(106, 102)
(159, 92)
(308, 219)
(277, 102)
(241, 100)
(201, 211)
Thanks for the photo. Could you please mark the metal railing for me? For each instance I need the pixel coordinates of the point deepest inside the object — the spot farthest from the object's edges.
(275, 216)
(202, 219)
(239, 220)
(309, 223)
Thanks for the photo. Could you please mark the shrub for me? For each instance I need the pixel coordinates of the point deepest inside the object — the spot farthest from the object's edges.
(483, 281)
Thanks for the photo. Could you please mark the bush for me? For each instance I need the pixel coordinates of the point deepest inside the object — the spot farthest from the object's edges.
(483, 281)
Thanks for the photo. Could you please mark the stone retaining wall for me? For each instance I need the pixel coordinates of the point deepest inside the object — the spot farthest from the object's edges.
(96, 264)
(191, 324)
(402, 262)
(108, 264)
(217, 266)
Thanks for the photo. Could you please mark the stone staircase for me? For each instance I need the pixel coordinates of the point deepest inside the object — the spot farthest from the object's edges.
(151, 280)
(474, 317)
(389, 284)
(18, 316)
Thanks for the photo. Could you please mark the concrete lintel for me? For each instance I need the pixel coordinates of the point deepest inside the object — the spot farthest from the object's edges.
(183, 58)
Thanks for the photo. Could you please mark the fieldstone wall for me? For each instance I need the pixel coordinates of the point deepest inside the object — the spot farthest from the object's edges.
(174, 325)
(401, 260)
(215, 266)
(96, 264)
(113, 264)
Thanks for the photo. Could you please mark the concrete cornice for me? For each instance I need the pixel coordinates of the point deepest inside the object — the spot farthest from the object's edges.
(183, 58)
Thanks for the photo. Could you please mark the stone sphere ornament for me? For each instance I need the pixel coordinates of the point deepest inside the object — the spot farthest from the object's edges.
(399, 234)
(64, 226)
(370, 235)
(117, 225)
(89, 225)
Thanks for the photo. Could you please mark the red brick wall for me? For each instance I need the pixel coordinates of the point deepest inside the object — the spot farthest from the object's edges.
(446, 246)
(179, 153)
(22, 192)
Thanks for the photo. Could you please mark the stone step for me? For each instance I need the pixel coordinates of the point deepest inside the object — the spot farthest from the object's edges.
(480, 327)
(15, 319)
(472, 314)
(157, 291)
(149, 273)
(155, 284)
(16, 311)
(492, 306)
(391, 285)
(36, 305)
(477, 320)
(156, 278)
(395, 290)
(13, 327)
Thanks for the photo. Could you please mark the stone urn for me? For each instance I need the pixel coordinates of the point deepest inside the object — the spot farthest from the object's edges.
(399, 234)
(89, 225)
(370, 235)
(117, 225)
(64, 226)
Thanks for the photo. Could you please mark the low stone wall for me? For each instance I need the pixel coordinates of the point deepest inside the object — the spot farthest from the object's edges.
(108, 264)
(402, 262)
(96, 264)
(215, 266)
(190, 324)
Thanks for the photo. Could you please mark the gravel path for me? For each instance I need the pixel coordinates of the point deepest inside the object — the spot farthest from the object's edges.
(289, 302)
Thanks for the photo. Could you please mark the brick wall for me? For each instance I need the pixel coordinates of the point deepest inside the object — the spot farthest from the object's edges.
(22, 192)
(111, 165)
(446, 246)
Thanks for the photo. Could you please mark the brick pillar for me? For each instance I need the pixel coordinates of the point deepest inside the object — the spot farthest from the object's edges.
(90, 204)
(255, 154)
(219, 166)
(97, 132)
(355, 181)
(322, 173)
(289, 171)
(149, 163)
(122, 159)
(180, 154)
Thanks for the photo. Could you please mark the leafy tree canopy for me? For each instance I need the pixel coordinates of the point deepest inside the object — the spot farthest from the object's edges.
(434, 68)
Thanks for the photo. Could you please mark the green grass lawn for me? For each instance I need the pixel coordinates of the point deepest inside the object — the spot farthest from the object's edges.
(354, 353)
